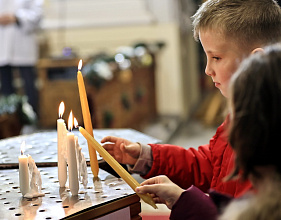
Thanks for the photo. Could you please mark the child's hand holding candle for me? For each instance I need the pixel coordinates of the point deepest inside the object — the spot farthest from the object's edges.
(117, 167)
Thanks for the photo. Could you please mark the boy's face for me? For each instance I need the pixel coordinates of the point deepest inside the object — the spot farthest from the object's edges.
(223, 58)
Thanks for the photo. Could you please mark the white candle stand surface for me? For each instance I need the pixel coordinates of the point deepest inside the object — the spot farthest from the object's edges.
(102, 196)
(42, 146)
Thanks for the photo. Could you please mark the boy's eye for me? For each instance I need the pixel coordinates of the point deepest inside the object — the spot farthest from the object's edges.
(216, 58)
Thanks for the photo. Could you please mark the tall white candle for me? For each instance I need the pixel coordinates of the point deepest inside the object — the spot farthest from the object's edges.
(71, 159)
(61, 132)
(23, 171)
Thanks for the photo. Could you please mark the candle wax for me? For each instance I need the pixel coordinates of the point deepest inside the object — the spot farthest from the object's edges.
(23, 174)
(72, 164)
(62, 165)
(87, 122)
(35, 180)
(82, 164)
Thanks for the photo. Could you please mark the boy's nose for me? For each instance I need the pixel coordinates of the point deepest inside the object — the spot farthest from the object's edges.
(209, 71)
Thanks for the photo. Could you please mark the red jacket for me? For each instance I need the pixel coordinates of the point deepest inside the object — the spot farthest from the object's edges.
(205, 168)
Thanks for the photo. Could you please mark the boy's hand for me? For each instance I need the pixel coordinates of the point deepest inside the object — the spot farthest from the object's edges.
(162, 190)
(124, 151)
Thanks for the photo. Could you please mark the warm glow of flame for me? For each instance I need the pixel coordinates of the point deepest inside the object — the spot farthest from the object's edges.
(75, 123)
(80, 65)
(22, 148)
(61, 109)
(70, 121)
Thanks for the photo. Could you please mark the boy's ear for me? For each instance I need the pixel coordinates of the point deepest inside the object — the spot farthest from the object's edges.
(256, 50)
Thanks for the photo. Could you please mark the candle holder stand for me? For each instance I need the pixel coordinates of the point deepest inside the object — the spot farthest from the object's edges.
(103, 196)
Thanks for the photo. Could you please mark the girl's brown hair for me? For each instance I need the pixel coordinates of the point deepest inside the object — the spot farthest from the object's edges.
(255, 101)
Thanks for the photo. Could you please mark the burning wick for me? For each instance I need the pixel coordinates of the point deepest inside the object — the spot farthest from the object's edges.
(61, 109)
(70, 121)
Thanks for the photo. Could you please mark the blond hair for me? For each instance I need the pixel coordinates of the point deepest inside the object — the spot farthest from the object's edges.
(249, 22)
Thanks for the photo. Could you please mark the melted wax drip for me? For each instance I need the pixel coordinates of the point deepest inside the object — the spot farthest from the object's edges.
(35, 180)
(82, 165)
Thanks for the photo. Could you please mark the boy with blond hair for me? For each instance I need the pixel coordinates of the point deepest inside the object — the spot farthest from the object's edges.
(229, 31)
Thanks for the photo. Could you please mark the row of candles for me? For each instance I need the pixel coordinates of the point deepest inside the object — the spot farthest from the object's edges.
(68, 142)
(70, 157)
(68, 150)
(69, 153)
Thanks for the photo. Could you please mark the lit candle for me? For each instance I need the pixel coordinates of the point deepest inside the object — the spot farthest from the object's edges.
(117, 167)
(23, 171)
(61, 132)
(87, 120)
(71, 159)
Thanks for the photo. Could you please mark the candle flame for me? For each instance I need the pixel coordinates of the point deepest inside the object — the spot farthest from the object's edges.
(80, 65)
(70, 121)
(75, 123)
(22, 147)
(61, 109)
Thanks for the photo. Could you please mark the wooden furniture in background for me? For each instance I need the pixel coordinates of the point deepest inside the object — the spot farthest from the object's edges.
(10, 125)
(123, 103)
(126, 101)
(55, 90)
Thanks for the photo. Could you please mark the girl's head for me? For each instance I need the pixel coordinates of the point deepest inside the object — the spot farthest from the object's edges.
(255, 105)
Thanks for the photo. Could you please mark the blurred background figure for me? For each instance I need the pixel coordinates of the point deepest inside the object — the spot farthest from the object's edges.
(19, 21)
